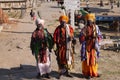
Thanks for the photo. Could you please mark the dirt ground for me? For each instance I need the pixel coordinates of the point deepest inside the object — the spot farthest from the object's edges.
(15, 48)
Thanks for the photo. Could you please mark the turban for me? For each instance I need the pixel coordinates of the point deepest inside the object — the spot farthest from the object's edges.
(39, 21)
(90, 16)
(64, 18)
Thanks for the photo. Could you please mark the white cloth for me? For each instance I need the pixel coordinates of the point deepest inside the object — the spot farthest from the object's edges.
(39, 21)
(45, 67)
(68, 51)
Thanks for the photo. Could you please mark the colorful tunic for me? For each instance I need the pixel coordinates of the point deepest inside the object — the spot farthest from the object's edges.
(89, 38)
(61, 39)
(41, 41)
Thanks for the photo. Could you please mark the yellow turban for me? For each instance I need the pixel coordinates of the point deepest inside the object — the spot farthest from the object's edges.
(90, 16)
(64, 18)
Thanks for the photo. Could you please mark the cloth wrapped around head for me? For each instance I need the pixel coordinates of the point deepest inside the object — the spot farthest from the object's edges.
(39, 21)
(90, 17)
(64, 18)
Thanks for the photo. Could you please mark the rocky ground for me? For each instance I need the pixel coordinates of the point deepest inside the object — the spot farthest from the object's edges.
(17, 62)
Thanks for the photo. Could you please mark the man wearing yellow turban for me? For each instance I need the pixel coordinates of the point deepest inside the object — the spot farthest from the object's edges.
(63, 36)
(90, 16)
(89, 38)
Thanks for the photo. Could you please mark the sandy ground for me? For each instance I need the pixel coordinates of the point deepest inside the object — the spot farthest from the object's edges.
(15, 49)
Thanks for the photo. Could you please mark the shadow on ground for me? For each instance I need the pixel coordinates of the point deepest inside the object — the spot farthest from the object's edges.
(18, 73)
(22, 72)
(78, 75)
(27, 72)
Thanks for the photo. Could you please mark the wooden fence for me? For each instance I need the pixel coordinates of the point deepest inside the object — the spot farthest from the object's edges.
(13, 4)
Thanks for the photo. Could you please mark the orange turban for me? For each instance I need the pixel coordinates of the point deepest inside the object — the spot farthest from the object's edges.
(90, 16)
(64, 18)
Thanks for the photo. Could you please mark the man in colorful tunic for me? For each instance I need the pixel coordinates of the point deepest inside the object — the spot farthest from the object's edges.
(63, 37)
(90, 37)
(41, 43)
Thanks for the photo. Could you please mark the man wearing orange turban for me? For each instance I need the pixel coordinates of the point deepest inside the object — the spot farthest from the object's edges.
(90, 16)
(64, 18)
(63, 35)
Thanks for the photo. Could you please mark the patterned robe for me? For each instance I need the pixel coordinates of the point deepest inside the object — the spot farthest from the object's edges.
(89, 38)
(61, 43)
(41, 43)
(38, 45)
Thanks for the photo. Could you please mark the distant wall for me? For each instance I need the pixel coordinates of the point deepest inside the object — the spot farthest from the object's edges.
(16, 6)
(13, 4)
